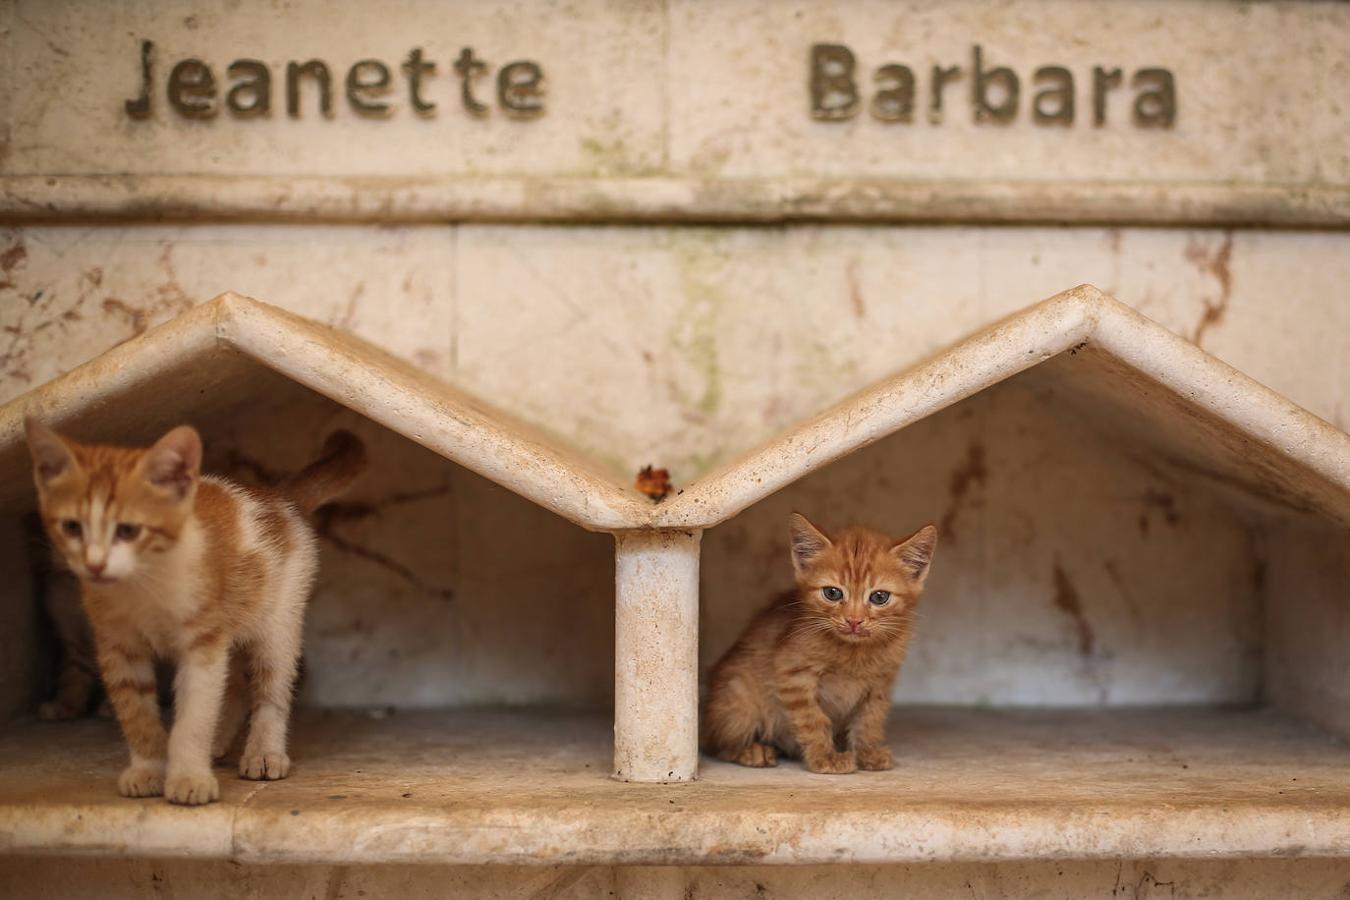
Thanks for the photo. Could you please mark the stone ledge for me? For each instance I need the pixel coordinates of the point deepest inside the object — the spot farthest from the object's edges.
(665, 199)
(532, 787)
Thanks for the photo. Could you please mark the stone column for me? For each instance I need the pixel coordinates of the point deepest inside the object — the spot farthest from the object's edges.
(656, 655)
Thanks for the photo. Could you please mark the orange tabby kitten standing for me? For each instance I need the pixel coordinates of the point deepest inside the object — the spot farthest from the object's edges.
(208, 574)
(811, 675)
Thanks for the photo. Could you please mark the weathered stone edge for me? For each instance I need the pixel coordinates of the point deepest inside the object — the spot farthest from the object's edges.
(653, 199)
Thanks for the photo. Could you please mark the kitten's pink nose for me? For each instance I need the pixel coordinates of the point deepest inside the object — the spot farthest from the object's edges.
(853, 624)
(96, 568)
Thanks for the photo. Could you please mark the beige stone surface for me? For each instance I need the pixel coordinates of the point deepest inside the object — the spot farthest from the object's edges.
(67, 878)
(682, 111)
(532, 787)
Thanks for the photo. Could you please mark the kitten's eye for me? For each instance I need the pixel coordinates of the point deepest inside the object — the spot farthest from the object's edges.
(880, 598)
(832, 594)
(71, 527)
(126, 532)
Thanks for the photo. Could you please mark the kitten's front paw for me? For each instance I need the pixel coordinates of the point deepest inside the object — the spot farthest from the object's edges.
(758, 756)
(264, 766)
(141, 780)
(874, 759)
(192, 788)
(831, 763)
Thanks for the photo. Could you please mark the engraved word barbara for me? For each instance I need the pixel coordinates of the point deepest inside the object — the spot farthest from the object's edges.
(994, 91)
(193, 92)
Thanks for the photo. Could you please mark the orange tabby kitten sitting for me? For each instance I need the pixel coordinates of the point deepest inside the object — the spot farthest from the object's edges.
(194, 569)
(811, 675)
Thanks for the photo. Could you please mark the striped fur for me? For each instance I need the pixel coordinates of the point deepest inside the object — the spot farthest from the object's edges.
(196, 570)
(810, 676)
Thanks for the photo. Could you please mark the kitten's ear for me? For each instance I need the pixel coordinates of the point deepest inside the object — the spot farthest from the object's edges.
(175, 460)
(808, 542)
(51, 454)
(916, 552)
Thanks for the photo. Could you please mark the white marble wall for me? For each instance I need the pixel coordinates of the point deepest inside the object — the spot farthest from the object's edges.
(672, 345)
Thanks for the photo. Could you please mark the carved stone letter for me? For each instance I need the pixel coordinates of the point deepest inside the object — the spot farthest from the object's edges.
(834, 96)
(894, 101)
(1057, 85)
(469, 68)
(1155, 107)
(192, 89)
(140, 107)
(316, 69)
(985, 109)
(256, 88)
(941, 76)
(519, 89)
(415, 67)
(362, 90)
(1103, 80)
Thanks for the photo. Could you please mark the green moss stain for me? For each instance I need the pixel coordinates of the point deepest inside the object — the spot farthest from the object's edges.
(701, 261)
(609, 153)
(820, 369)
(603, 157)
(699, 464)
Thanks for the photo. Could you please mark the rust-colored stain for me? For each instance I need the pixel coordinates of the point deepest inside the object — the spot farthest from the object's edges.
(14, 358)
(1136, 614)
(1068, 602)
(348, 316)
(168, 299)
(1162, 502)
(135, 317)
(971, 473)
(655, 483)
(854, 290)
(11, 258)
(326, 519)
(1216, 265)
(9, 261)
(1113, 240)
(1259, 570)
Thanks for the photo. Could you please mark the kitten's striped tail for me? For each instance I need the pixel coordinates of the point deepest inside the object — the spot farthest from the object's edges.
(344, 457)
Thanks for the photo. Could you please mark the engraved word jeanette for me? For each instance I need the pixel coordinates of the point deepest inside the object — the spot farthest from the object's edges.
(193, 93)
(994, 91)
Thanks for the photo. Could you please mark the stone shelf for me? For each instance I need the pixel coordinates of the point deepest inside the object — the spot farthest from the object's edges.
(533, 786)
